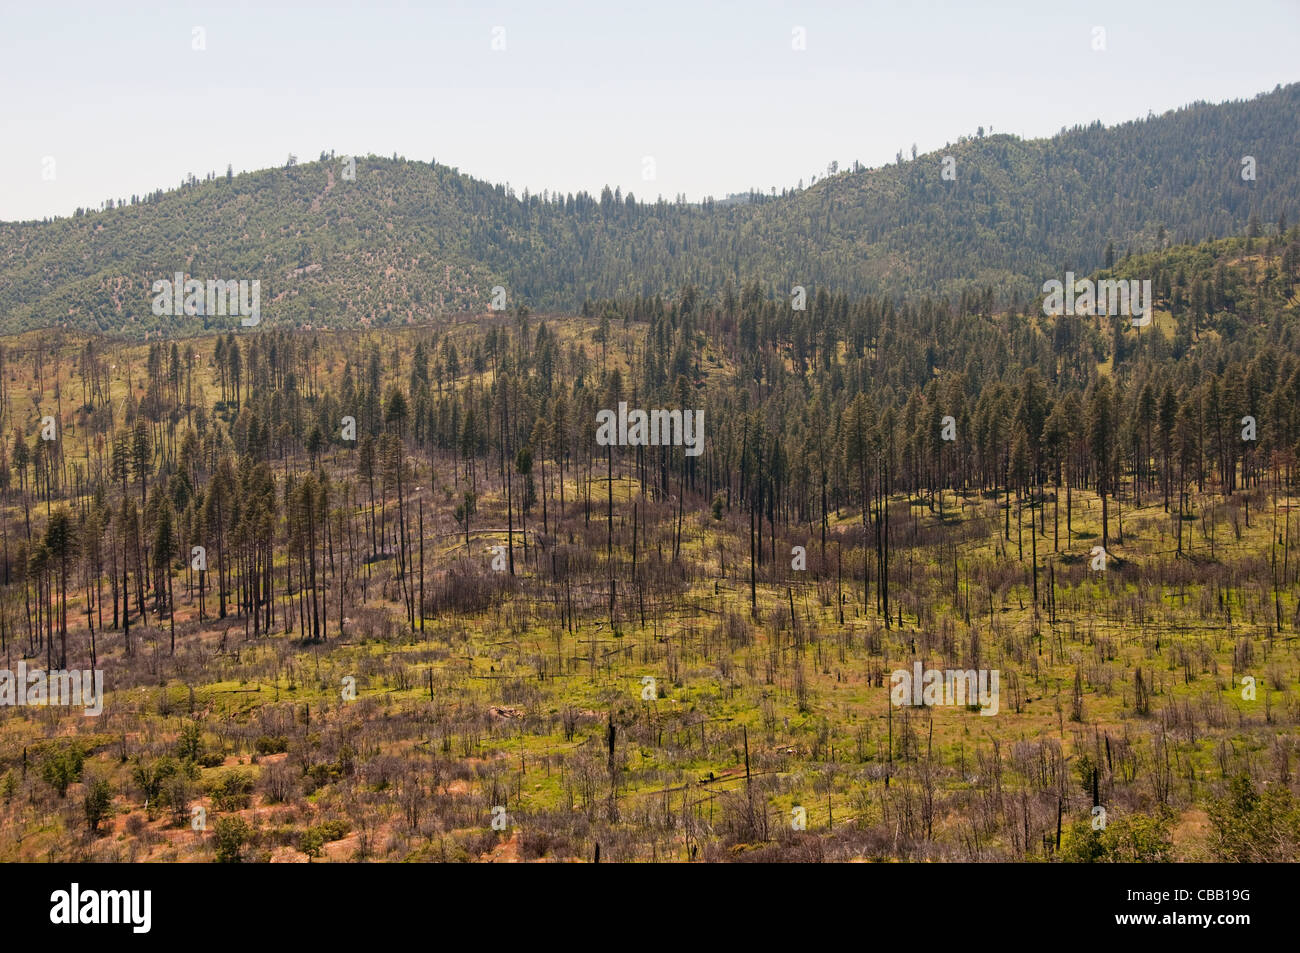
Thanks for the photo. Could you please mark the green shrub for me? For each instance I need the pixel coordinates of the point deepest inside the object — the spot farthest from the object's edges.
(1128, 839)
(189, 746)
(233, 792)
(333, 830)
(311, 843)
(1250, 827)
(62, 766)
(98, 803)
(230, 835)
(149, 778)
(271, 744)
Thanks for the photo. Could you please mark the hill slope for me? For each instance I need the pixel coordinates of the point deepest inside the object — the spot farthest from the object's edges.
(408, 239)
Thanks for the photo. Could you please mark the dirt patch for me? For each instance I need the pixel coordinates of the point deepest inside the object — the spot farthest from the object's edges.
(343, 848)
(506, 852)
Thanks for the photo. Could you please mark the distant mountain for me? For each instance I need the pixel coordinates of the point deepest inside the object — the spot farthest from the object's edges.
(404, 240)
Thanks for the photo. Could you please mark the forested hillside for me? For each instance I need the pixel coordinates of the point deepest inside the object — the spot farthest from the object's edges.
(472, 613)
(404, 241)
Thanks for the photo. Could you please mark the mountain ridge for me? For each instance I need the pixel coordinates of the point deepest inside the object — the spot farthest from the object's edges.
(407, 240)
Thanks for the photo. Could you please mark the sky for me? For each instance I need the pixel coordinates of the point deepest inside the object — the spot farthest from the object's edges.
(103, 100)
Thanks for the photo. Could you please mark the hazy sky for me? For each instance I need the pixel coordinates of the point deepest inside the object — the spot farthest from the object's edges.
(715, 93)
